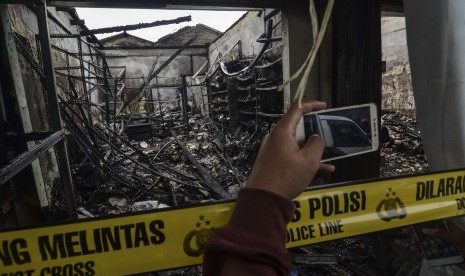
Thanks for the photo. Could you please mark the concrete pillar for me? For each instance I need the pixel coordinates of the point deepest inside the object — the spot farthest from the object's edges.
(436, 47)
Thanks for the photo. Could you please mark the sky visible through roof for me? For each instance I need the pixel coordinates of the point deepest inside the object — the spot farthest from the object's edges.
(100, 18)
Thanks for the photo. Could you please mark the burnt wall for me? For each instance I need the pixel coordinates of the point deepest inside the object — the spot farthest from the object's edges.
(138, 63)
(251, 98)
(37, 184)
(246, 31)
(397, 90)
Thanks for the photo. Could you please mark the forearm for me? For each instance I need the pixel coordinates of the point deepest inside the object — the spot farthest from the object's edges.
(253, 242)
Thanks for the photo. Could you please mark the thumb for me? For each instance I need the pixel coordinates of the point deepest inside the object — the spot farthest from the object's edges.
(264, 140)
(435, 232)
(448, 236)
(313, 148)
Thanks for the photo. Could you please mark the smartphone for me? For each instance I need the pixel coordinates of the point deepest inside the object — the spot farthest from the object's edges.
(347, 131)
(435, 250)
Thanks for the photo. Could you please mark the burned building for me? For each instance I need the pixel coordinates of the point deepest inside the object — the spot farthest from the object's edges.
(138, 56)
(125, 85)
(96, 127)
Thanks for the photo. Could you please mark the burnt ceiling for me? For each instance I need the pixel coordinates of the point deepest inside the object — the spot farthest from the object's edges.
(386, 5)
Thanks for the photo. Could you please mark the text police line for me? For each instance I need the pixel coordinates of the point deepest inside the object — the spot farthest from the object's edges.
(175, 237)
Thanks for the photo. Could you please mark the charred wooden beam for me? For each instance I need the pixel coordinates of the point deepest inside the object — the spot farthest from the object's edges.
(77, 22)
(232, 102)
(74, 16)
(185, 115)
(136, 26)
(168, 61)
(53, 110)
(21, 161)
(29, 58)
(173, 4)
(211, 183)
(26, 137)
(154, 47)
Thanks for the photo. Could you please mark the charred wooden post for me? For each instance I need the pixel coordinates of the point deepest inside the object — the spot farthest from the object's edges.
(185, 115)
(209, 181)
(54, 109)
(136, 26)
(232, 102)
(356, 72)
(209, 97)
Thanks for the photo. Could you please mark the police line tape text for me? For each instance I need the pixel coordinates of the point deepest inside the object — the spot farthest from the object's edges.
(84, 242)
(306, 232)
(445, 187)
(77, 269)
(335, 204)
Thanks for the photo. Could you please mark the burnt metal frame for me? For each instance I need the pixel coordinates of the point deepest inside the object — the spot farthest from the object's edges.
(101, 74)
(153, 74)
(140, 3)
(56, 139)
(26, 158)
(54, 115)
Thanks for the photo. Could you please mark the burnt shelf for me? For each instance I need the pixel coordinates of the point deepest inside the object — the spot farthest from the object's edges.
(219, 92)
(247, 100)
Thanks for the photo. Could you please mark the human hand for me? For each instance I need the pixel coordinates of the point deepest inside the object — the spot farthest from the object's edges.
(281, 166)
(455, 237)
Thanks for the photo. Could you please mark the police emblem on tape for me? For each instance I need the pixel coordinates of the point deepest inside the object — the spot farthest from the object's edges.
(391, 207)
(196, 240)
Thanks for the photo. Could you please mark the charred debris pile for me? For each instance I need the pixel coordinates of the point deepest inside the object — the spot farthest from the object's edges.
(131, 161)
(401, 146)
(177, 165)
(157, 163)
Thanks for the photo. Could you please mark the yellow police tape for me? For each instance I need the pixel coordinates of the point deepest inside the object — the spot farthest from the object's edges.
(171, 238)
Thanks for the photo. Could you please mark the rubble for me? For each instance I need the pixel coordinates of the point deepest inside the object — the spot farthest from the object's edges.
(158, 169)
(130, 161)
(127, 161)
(401, 146)
(167, 163)
(227, 158)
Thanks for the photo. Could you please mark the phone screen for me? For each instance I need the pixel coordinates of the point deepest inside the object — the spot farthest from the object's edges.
(346, 131)
(435, 248)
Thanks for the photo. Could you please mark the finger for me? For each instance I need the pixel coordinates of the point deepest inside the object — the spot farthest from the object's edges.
(326, 168)
(407, 230)
(312, 106)
(454, 237)
(454, 228)
(265, 138)
(414, 244)
(262, 145)
(294, 113)
(436, 232)
(313, 149)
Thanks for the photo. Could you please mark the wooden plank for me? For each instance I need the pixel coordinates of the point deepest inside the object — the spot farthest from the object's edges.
(209, 181)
